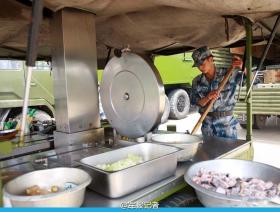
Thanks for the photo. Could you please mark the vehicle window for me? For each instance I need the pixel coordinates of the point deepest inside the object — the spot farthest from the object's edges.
(42, 66)
(10, 65)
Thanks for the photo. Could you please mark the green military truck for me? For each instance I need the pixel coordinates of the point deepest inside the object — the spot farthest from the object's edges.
(177, 74)
(12, 75)
(265, 96)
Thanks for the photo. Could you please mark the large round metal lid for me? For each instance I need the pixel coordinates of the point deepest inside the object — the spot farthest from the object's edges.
(132, 95)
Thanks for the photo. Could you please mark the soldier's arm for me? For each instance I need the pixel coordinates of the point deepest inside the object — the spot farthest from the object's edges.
(205, 100)
(197, 99)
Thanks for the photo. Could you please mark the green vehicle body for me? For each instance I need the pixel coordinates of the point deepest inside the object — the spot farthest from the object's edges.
(266, 103)
(12, 87)
(174, 69)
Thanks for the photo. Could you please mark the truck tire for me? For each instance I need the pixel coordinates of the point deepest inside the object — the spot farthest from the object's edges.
(243, 126)
(166, 112)
(179, 104)
(259, 121)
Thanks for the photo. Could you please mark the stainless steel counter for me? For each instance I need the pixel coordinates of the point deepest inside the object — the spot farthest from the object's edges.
(67, 156)
(211, 149)
(33, 143)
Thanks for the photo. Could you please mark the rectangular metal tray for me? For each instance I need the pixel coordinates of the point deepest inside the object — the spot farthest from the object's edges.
(159, 162)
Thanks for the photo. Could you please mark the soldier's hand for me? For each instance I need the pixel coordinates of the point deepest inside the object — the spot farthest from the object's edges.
(213, 95)
(236, 62)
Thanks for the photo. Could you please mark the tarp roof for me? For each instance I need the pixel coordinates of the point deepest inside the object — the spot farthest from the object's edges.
(151, 26)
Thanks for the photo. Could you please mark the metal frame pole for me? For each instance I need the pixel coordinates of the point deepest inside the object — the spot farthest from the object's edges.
(249, 33)
(37, 8)
(272, 35)
(1, 188)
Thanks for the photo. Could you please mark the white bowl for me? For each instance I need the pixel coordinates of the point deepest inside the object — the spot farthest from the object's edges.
(188, 143)
(14, 190)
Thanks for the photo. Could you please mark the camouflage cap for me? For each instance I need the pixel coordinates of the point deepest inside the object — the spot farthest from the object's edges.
(200, 54)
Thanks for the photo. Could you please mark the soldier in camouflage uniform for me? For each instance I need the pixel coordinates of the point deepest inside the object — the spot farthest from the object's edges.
(220, 121)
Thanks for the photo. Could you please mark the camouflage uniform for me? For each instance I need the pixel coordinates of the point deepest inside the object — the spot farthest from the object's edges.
(225, 126)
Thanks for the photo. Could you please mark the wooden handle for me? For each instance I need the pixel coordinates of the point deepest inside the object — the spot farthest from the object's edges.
(210, 105)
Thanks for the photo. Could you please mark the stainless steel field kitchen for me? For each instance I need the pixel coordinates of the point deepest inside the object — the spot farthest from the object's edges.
(159, 162)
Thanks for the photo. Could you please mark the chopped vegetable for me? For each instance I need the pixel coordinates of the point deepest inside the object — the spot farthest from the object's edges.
(131, 160)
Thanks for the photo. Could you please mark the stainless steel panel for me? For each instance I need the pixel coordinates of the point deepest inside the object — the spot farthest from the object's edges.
(75, 65)
(132, 95)
(159, 162)
(88, 137)
(35, 146)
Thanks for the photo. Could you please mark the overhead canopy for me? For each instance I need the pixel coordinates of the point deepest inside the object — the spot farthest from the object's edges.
(149, 26)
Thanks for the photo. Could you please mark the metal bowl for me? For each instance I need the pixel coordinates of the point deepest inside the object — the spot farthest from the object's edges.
(238, 168)
(188, 143)
(14, 190)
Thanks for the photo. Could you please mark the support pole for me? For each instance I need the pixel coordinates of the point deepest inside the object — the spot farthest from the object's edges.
(248, 26)
(37, 8)
(272, 35)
